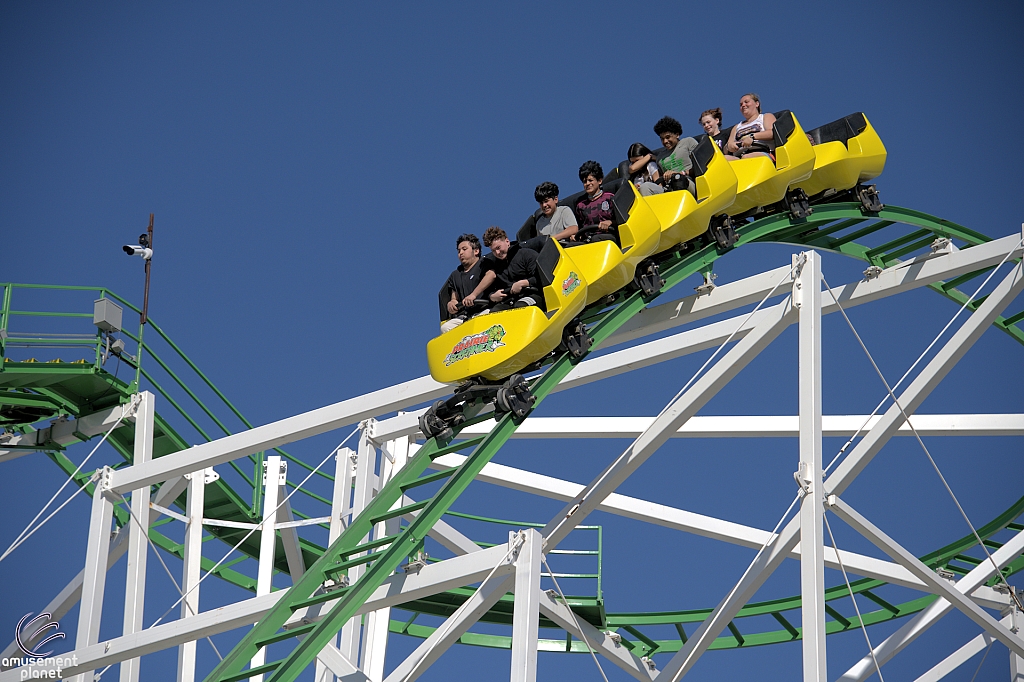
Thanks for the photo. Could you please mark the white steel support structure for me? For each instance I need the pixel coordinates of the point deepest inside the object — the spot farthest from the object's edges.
(807, 298)
(95, 575)
(274, 473)
(360, 654)
(138, 540)
(192, 569)
(527, 608)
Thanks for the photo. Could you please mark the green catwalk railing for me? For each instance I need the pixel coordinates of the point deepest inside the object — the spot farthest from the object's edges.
(840, 228)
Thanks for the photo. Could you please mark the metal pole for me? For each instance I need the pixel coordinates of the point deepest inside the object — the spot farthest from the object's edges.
(365, 474)
(807, 298)
(526, 609)
(191, 568)
(138, 544)
(94, 579)
(273, 479)
(144, 315)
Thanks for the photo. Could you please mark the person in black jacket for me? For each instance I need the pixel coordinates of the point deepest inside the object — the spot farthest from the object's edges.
(461, 283)
(511, 271)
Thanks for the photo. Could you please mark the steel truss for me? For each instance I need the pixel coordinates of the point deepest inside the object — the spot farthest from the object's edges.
(337, 611)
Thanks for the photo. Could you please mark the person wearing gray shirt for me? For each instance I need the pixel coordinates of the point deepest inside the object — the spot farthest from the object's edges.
(557, 222)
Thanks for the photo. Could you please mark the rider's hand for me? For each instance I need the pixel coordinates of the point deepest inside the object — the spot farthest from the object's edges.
(604, 225)
(498, 296)
(467, 302)
(517, 287)
(453, 307)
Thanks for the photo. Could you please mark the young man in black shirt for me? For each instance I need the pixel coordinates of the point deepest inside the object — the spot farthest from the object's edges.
(460, 284)
(511, 270)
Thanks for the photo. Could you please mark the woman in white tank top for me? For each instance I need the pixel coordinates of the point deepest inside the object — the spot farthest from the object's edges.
(755, 127)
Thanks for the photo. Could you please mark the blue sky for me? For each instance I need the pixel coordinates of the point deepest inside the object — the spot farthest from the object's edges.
(309, 166)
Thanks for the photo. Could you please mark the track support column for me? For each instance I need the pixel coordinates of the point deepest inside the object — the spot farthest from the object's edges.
(138, 543)
(807, 298)
(366, 466)
(94, 578)
(1016, 618)
(273, 482)
(192, 568)
(341, 505)
(527, 608)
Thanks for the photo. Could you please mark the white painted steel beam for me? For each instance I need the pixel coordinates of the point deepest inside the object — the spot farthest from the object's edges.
(396, 590)
(191, 570)
(274, 477)
(861, 455)
(290, 535)
(961, 656)
(275, 434)
(672, 417)
(601, 642)
(526, 608)
(95, 573)
(916, 626)
(758, 426)
(341, 503)
(899, 554)
(807, 298)
(678, 519)
(340, 666)
(449, 632)
(138, 540)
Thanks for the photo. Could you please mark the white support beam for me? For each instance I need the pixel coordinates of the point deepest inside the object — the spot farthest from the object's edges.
(672, 417)
(338, 665)
(273, 482)
(138, 540)
(961, 656)
(917, 625)
(891, 281)
(290, 534)
(365, 477)
(398, 589)
(757, 426)
(807, 298)
(526, 609)
(885, 543)
(449, 632)
(341, 504)
(450, 538)
(861, 455)
(95, 574)
(601, 642)
(191, 571)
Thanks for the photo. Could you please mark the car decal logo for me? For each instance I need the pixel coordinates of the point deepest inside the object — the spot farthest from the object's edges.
(485, 342)
(570, 284)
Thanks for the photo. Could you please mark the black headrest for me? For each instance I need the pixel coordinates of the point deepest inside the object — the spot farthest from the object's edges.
(784, 126)
(702, 154)
(546, 262)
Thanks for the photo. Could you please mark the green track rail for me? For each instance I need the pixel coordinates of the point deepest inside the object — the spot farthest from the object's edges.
(83, 387)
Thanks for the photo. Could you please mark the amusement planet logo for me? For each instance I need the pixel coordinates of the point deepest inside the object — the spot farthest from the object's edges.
(485, 342)
(38, 665)
(570, 283)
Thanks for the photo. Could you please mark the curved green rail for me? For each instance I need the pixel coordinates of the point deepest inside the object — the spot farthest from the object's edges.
(81, 387)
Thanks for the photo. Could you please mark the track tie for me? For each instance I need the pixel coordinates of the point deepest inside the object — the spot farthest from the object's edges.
(401, 511)
(423, 480)
(319, 598)
(246, 674)
(373, 544)
(286, 634)
(332, 571)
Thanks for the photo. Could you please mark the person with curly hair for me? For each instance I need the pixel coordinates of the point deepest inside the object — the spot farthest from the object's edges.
(676, 164)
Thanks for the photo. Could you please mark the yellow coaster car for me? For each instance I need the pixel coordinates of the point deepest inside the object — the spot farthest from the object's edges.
(496, 345)
(684, 216)
(605, 265)
(762, 182)
(846, 152)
